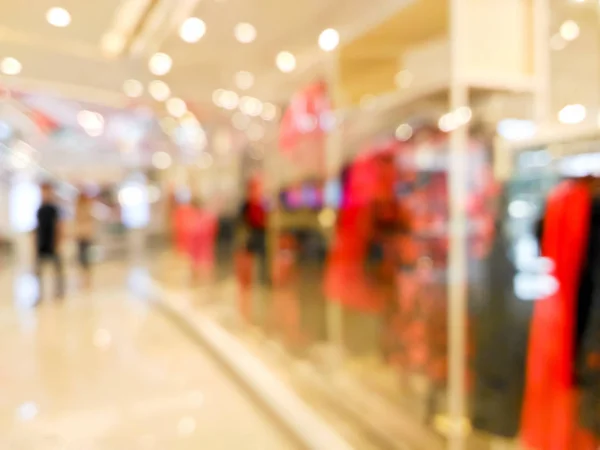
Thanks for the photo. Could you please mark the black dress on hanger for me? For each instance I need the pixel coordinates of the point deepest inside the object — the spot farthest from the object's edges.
(501, 324)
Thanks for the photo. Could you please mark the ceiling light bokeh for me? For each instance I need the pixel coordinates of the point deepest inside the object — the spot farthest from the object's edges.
(269, 112)
(160, 64)
(192, 30)
(557, 42)
(251, 106)
(161, 160)
(244, 80)
(112, 44)
(92, 122)
(133, 88)
(404, 132)
(176, 107)
(159, 90)
(245, 33)
(10, 66)
(286, 62)
(58, 17)
(569, 30)
(329, 39)
(572, 114)
(228, 100)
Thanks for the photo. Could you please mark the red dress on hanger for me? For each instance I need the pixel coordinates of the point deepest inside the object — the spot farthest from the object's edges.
(549, 420)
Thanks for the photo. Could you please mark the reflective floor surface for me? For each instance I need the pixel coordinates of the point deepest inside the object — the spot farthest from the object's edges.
(105, 370)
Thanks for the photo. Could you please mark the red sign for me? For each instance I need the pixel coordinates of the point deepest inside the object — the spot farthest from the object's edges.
(305, 124)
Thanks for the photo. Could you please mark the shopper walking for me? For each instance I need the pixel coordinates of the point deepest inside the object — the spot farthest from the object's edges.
(85, 227)
(49, 236)
(253, 220)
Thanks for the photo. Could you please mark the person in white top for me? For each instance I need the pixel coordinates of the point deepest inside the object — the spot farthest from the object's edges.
(85, 227)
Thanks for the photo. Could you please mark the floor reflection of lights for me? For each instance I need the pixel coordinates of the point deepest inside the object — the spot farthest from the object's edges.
(26, 290)
(103, 370)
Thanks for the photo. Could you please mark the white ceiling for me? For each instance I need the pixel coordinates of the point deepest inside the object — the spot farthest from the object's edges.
(70, 61)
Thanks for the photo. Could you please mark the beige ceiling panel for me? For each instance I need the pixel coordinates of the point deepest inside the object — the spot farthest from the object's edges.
(368, 65)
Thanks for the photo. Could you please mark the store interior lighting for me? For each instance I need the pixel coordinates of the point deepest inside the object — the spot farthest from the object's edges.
(176, 107)
(58, 17)
(569, 30)
(160, 64)
(133, 88)
(516, 130)
(572, 114)
(329, 40)
(192, 30)
(404, 132)
(228, 100)
(286, 62)
(244, 80)
(245, 33)
(161, 160)
(251, 106)
(10, 66)
(269, 112)
(112, 44)
(92, 122)
(159, 90)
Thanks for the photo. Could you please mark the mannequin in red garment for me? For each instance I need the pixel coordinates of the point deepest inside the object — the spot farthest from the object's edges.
(549, 420)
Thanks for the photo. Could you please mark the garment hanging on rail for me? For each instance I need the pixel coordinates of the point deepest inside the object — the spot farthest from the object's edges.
(501, 326)
(549, 420)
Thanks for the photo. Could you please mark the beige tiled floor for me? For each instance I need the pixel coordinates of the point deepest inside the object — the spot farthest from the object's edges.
(105, 371)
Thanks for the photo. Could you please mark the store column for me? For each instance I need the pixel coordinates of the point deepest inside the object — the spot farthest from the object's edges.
(457, 256)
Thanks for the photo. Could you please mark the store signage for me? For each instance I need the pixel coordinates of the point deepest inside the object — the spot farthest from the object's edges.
(308, 118)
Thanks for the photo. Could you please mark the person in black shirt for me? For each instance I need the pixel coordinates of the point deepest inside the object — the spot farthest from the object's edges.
(253, 218)
(48, 236)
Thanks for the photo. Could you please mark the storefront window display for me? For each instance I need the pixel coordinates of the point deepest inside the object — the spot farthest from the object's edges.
(550, 218)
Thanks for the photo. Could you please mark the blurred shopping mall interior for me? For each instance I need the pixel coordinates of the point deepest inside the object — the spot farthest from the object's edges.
(325, 224)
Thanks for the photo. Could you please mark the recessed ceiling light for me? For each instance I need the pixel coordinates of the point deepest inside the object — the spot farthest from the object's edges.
(159, 90)
(244, 80)
(91, 122)
(251, 106)
(286, 62)
(216, 97)
(192, 30)
(569, 30)
(161, 160)
(245, 33)
(58, 17)
(269, 111)
(112, 44)
(133, 88)
(176, 107)
(572, 114)
(160, 64)
(557, 43)
(11, 66)
(404, 132)
(229, 100)
(329, 40)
